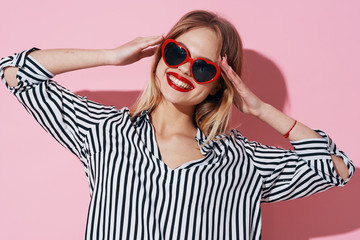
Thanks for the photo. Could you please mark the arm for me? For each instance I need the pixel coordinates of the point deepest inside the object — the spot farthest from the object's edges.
(290, 174)
(282, 123)
(66, 116)
(58, 61)
(63, 114)
(249, 103)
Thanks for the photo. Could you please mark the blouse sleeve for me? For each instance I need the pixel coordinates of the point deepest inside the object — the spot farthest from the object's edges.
(66, 116)
(290, 174)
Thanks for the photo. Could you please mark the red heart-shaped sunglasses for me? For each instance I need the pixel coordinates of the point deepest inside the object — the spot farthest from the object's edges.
(202, 70)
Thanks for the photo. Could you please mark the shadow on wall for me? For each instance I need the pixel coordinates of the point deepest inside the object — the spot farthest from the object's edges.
(333, 212)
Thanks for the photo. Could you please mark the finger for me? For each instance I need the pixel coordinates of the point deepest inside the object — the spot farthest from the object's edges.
(156, 40)
(151, 41)
(154, 37)
(232, 75)
(148, 52)
(224, 64)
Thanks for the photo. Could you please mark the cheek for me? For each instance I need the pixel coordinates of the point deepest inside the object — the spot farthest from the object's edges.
(208, 88)
(202, 92)
(160, 69)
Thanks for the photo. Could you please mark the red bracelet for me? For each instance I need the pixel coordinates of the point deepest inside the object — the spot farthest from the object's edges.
(288, 133)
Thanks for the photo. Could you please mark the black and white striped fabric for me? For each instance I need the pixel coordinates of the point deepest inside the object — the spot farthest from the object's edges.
(134, 195)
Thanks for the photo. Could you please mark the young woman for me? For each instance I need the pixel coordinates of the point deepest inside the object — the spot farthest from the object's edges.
(169, 168)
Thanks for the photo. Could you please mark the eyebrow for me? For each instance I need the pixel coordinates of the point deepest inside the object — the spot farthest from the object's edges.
(181, 43)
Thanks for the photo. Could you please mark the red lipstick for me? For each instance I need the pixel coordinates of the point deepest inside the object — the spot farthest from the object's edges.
(180, 78)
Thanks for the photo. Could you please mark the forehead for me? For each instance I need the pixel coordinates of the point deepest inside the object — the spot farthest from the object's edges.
(201, 42)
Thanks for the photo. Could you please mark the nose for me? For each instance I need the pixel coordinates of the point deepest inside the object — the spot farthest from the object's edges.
(185, 68)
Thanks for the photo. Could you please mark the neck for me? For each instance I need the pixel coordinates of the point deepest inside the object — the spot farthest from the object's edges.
(168, 118)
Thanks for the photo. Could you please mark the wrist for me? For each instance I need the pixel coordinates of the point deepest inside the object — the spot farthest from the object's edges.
(108, 57)
(265, 111)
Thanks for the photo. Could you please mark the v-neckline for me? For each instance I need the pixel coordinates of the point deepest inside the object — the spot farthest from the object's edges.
(157, 149)
(156, 154)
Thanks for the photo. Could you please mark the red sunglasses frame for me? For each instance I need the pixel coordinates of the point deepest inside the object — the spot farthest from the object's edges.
(191, 60)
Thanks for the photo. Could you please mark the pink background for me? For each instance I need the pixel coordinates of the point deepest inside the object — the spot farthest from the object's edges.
(302, 57)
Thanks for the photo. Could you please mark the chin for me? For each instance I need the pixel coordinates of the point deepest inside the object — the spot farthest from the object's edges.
(180, 101)
(176, 100)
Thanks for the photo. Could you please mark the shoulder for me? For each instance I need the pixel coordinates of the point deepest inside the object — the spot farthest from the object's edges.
(239, 141)
(108, 116)
(122, 113)
(237, 137)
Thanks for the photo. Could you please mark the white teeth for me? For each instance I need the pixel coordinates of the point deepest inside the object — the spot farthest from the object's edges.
(179, 83)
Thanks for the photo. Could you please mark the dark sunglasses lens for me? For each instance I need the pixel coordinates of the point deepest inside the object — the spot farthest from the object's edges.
(173, 54)
(202, 71)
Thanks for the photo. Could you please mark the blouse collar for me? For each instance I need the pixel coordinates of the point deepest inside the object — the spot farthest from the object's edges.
(217, 146)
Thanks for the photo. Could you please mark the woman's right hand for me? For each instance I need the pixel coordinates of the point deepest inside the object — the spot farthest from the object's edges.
(134, 50)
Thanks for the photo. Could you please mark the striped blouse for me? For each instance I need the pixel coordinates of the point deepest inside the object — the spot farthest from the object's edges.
(134, 195)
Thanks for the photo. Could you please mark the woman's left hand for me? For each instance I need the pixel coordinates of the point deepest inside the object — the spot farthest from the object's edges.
(245, 100)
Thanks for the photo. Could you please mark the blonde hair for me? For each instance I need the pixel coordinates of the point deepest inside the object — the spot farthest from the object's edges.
(212, 115)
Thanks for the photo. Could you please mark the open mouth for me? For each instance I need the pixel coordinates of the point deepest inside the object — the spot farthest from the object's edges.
(178, 82)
